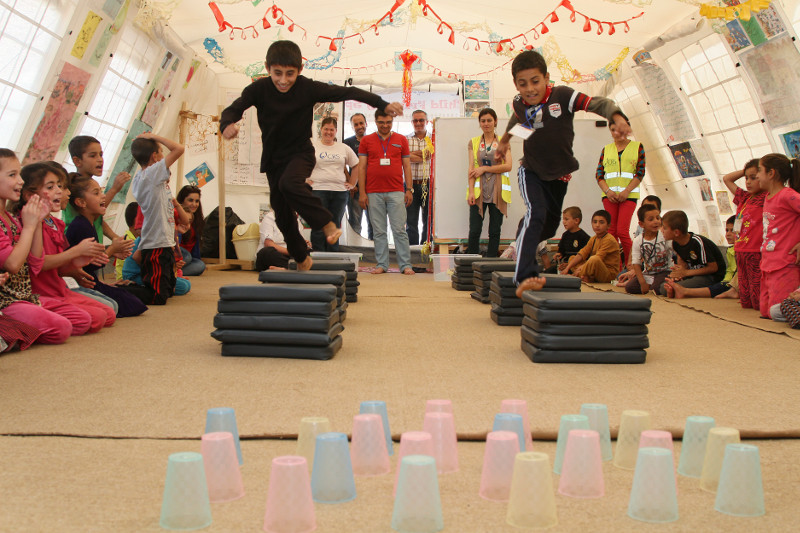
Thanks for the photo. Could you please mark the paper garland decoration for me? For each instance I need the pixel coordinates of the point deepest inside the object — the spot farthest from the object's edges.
(741, 11)
(408, 58)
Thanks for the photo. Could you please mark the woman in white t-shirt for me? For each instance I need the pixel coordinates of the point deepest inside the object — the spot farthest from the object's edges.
(330, 180)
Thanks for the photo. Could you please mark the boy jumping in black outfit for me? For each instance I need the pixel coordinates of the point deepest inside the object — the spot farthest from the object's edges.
(284, 102)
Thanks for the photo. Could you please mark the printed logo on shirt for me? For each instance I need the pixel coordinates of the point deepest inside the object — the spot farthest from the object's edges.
(326, 155)
(575, 243)
(693, 255)
(555, 110)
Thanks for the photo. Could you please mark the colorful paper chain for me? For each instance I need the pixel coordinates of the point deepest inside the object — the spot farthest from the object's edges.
(499, 44)
(741, 11)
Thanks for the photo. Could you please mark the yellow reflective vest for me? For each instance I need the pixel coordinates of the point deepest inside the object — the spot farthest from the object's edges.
(621, 170)
(505, 181)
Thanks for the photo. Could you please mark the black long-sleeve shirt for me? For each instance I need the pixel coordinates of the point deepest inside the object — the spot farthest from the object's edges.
(285, 118)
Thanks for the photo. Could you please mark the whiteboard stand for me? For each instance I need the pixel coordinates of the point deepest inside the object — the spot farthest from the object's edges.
(222, 262)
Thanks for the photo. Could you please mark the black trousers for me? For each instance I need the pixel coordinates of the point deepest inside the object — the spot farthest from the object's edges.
(269, 256)
(412, 217)
(289, 194)
(158, 274)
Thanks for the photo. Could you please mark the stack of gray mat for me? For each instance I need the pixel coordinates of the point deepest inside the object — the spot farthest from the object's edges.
(351, 283)
(461, 279)
(507, 308)
(482, 276)
(584, 327)
(293, 320)
(337, 278)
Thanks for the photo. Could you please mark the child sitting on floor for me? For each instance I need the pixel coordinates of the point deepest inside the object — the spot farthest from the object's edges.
(700, 263)
(727, 288)
(651, 257)
(788, 310)
(130, 219)
(572, 240)
(598, 261)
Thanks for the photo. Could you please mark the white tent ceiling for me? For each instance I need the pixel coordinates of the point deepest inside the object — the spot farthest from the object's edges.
(471, 20)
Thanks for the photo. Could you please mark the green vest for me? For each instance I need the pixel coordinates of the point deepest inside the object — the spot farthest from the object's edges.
(621, 170)
(505, 181)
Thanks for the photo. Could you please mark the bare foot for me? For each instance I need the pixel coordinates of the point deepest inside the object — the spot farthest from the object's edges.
(273, 267)
(531, 284)
(672, 289)
(378, 270)
(408, 271)
(305, 265)
(585, 279)
(332, 233)
(730, 293)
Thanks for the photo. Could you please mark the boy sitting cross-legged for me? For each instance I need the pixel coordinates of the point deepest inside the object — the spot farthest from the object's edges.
(598, 261)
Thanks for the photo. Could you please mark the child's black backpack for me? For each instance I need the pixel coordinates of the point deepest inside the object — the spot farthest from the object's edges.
(209, 245)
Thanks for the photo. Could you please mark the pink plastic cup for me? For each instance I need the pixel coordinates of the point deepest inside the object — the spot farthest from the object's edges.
(656, 438)
(582, 469)
(501, 451)
(439, 406)
(290, 508)
(222, 467)
(520, 407)
(368, 452)
(445, 443)
(412, 443)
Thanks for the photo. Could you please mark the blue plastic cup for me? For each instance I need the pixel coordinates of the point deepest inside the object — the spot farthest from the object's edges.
(597, 413)
(740, 491)
(654, 497)
(568, 423)
(693, 445)
(417, 504)
(185, 504)
(222, 419)
(379, 408)
(332, 478)
(510, 422)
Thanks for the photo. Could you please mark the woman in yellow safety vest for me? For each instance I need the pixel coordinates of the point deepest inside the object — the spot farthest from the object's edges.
(489, 185)
(619, 173)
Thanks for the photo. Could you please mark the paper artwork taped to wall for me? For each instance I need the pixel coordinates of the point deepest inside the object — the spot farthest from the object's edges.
(774, 69)
(705, 189)
(724, 203)
(200, 175)
(112, 7)
(476, 89)
(159, 96)
(665, 102)
(473, 107)
(736, 36)
(791, 144)
(58, 114)
(125, 161)
(687, 162)
(85, 34)
(201, 138)
(771, 22)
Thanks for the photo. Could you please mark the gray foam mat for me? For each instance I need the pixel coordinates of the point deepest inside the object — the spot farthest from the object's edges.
(505, 320)
(585, 329)
(584, 357)
(335, 277)
(462, 261)
(326, 264)
(251, 307)
(504, 301)
(479, 297)
(276, 322)
(586, 316)
(462, 286)
(584, 342)
(321, 353)
(503, 265)
(585, 300)
(279, 292)
(352, 298)
(285, 338)
(507, 311)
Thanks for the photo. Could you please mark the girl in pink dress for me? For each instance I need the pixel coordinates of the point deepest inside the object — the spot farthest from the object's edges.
(780, 247)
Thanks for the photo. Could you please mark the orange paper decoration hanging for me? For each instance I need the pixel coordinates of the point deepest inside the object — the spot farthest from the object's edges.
(408, 58)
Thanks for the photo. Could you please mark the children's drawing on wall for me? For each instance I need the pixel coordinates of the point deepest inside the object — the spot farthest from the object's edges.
(791, 143)
(472, 108)
(263, 209)
(325, 110)
(702, 227)
(724, 203)
(713, 216)
(201, 135)
(200, 175)
(771, 22)
(85, 34)
(125, 161)
(166, 60)
(736, 36)
(687, 162)
(705, 189)
(774, 69)
(476, 89)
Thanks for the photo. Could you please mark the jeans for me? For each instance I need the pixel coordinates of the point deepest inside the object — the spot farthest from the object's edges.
(392, 204)
(476, 227)
(335, 202)
(192, 266)
(412, 216)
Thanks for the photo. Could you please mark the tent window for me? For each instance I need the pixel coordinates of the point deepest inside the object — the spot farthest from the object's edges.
(30, 36)
(120, 92)
(721, 101)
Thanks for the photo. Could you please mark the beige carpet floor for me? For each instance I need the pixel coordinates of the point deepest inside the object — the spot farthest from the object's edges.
(140, 386)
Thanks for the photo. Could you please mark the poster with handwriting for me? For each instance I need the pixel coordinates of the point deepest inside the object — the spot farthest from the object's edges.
(665, 102)
(774, 69)
(85, 34)
(58, 114)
